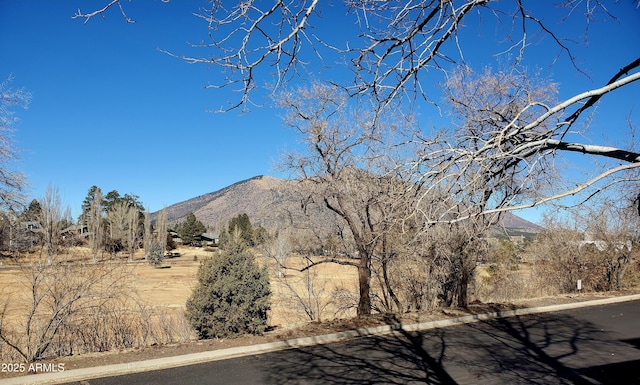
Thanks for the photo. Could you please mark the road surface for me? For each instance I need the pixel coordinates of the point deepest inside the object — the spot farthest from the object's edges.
(594, 345)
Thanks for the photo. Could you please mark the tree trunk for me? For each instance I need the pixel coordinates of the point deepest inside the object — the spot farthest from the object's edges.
(623, 263)
(463, 286)
(364, 284)
(387, 283)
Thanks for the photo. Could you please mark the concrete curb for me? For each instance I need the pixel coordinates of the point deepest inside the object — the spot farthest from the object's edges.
(194, 358)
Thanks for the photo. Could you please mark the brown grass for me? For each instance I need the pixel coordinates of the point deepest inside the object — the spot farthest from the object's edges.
(169, 286)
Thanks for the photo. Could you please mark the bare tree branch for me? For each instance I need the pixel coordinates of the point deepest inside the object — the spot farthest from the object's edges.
(394, 49)
(591, 149)
(100, 12)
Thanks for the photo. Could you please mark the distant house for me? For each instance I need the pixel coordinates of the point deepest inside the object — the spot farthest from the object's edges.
(204, 239)
(32, 226)
(517, 239)
(175, 237)
(208, 239)
(75, 231)
(30, 232)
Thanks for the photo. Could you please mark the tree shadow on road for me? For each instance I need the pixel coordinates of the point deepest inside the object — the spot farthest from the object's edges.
(391, 359)
(539, 349)
(556, 348)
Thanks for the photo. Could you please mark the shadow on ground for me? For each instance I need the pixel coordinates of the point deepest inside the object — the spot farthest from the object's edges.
(541, 349)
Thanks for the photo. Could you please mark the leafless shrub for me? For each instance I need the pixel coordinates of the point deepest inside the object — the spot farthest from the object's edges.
(56, 295)
(305, 290)
(563, 260)
(410, 275)
(343, 302)
(501, 279)
(498, 284)
(64, 309)
(632, 278)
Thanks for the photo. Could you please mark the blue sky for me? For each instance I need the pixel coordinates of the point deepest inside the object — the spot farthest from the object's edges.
(109, 109)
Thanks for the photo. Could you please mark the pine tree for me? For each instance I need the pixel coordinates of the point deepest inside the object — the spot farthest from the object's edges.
(190, 229)
(242, 224)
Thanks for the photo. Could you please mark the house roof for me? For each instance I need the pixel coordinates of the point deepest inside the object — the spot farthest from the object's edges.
(211, 236)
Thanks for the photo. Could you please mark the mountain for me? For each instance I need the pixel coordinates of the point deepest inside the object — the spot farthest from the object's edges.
(509, 220)
(259, 197)
(268, 203)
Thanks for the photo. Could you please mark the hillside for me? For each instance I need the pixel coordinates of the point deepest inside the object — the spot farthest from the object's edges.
(258, 197)
(268, 204)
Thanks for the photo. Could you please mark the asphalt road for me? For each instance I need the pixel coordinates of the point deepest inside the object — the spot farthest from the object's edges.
(594, 345)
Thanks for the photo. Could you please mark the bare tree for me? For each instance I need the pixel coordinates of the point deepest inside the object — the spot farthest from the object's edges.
(161, 228)
(51, 221)
(354, 169)
(11, 182)
(307, 291)
(278, 248)
(392, 51)
(117, 219)
(148, 232)
(502, 153)
(133, 231)
(95, 225)
(398, 49)
(123, 222)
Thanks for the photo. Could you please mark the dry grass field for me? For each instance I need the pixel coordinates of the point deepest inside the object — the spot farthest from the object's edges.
(169, 286)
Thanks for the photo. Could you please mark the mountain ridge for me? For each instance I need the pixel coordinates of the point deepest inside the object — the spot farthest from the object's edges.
(267, 203)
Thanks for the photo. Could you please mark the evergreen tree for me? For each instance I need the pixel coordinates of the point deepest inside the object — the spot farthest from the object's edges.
(155, 254)
(260, 235)
(232, 296)
(242, 224)
(110, 200)
(33, 212)
(87, 204)
(190, 229)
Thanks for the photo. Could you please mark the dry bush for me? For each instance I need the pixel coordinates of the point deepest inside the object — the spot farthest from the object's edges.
(127, 327)
(495, 283)
(411, 279)
(632, 277)
(501, 279)
(63, 309)
(49, 297)
(310, 294)
(560, 258)
(306, 293)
